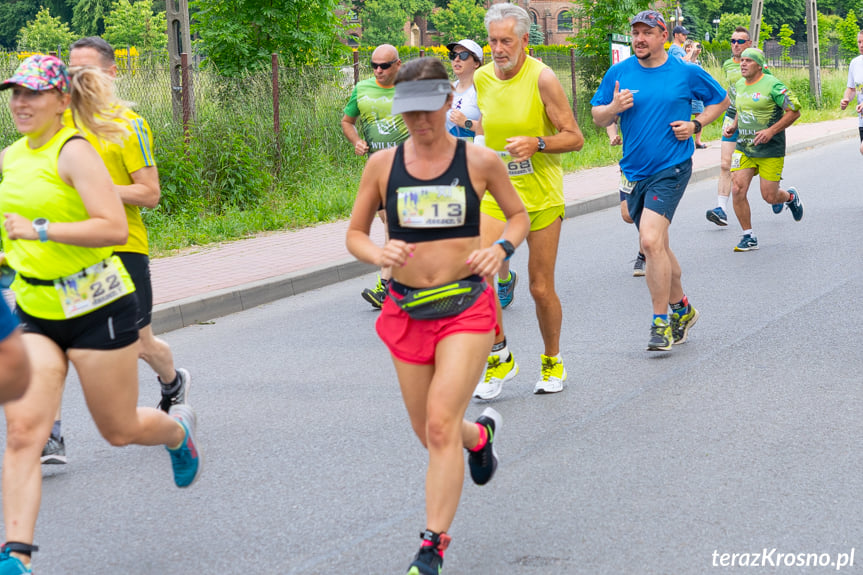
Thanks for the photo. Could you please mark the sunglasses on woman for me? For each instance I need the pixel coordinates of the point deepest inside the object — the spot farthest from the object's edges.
(460, 55)
(733, 41)
(383, 65)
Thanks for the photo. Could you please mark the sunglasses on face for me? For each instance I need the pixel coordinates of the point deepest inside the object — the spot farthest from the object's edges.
(383, 65)
(733, 41)
(459, 55)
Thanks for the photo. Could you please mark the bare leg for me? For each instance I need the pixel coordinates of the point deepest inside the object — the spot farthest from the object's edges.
(490, 230)
(157, 354)
(543, 246)
(741, 180)
(436, 398)
(663, 273)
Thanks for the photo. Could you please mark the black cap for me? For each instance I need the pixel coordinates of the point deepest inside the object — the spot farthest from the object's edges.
(680, 30)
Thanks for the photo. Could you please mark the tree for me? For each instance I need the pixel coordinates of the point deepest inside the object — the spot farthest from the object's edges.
(461, 19)
(136, 25)
(45, 34)
(827, 33)
(240, 35)
(88, 16)
(536, 37)
(602, 18)
(848, 30)
(729, 22)
(383, 22)
(786, 41)
(13, 17)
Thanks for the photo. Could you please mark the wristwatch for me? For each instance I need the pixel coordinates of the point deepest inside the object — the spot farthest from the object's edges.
(468, 124)
(540, 145)
(697, 126)
(41, 227)
(508, 248)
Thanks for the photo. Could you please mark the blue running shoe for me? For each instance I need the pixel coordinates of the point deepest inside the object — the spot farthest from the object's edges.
(777, 208)
(12, 565)
(506, 290)
(186, 459)
(747, 243)
(795, 205)
(717, 216)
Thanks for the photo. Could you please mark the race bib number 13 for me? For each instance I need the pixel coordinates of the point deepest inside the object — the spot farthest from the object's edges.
(431, 206)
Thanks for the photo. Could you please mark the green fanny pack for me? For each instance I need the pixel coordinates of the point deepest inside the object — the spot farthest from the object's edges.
(437, 302)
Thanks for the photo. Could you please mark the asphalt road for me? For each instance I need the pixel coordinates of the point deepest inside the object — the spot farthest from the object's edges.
(744, 440)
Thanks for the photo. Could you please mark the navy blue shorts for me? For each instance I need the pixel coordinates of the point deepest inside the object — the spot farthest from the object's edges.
(660, 192)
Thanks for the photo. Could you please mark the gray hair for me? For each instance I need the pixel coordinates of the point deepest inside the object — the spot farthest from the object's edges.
(105, 51)
(504, 10)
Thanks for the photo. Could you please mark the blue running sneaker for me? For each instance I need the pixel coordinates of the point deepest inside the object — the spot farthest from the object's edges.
(429, 559)
(795, 205)
(186, 459)
(12, 565)
(747, 243)
(717, 216)
(506, 290)
(661, 338)
(777, 208)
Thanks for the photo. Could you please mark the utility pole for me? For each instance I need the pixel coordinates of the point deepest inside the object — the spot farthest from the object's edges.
(755, 21)
(179, 42)
(814, 50)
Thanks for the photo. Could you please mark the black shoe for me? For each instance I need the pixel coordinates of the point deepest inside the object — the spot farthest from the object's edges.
(376, 295)
(661, 337)
(795, 205)
(483, 463)
(429, 559)
(54, 452)
(180, 394)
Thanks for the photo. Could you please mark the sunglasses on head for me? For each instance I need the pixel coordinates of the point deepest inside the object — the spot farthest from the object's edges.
(733, 41)
(383, 65)
(460, 55)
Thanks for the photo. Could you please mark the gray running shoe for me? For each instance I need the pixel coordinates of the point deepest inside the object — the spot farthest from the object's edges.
(747, 243)
(638, 268)
(795, 205)
(180, 396)
(661, 338)
(54, 452)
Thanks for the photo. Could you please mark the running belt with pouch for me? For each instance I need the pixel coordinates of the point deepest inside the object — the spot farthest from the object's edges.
(437, 302)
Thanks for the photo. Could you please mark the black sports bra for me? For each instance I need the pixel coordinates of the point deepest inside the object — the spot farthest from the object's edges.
(440, 208)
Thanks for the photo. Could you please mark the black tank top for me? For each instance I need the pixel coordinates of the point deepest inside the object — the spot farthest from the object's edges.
(425, 210)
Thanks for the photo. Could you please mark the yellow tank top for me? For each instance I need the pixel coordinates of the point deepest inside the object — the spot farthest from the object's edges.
(32, 188)
(514, 108)
(130, 155)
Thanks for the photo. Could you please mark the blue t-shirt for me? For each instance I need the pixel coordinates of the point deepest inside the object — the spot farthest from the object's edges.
(8, 321)
(660, 96)
(676, 51)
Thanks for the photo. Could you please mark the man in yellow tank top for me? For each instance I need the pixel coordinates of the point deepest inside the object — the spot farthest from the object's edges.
(136, 179)
(528, 121)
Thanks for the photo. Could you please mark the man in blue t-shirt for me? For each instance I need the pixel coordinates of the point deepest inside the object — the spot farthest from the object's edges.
(14, 365)
(651, 95)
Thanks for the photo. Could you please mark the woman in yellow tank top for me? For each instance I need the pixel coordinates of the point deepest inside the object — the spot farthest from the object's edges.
(60, 218)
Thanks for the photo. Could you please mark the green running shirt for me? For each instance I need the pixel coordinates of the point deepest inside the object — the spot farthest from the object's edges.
(373, 105)
(759, 106)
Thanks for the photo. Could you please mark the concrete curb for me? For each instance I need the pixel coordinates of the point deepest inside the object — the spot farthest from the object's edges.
(202, 308)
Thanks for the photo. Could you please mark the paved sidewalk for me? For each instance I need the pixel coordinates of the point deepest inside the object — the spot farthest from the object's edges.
(230, 277)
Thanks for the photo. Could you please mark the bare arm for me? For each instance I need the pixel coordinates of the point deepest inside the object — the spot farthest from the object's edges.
(765, 135)
(349, 129)
(81, 167)
(144, 190)
(846, 97)
(568, 137)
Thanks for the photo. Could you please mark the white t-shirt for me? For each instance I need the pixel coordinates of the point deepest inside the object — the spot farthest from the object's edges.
(466, 103)
(855, 81)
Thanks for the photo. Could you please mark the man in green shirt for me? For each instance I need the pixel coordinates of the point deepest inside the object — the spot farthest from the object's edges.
(740, 41)
(371, 103)
(765, 107)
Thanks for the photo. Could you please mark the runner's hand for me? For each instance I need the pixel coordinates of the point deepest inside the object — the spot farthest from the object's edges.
(844, 103)
(521, 147)
(616, 140)
(19, 228)
(457, 117)
(395, 253)
(683, 130)
(361, 148)
(486, 262)
(762, 136)
(623, 99)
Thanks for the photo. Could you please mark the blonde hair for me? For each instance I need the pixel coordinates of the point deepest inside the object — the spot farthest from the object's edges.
(94, 105)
